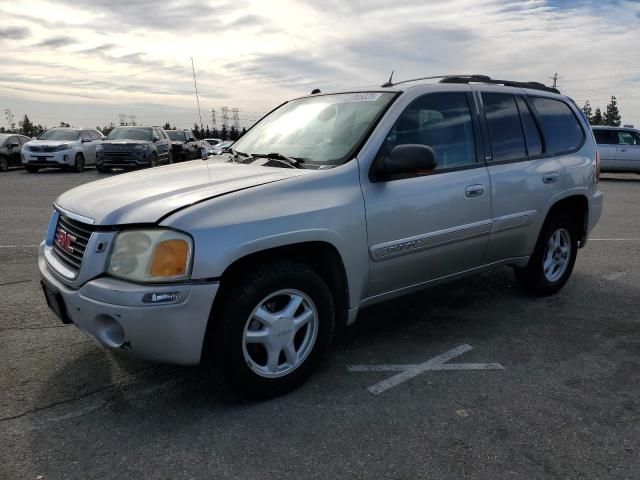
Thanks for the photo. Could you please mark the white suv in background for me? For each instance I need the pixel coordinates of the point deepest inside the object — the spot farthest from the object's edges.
(62, 148)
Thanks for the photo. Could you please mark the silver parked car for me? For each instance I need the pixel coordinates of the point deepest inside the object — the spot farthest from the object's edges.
(62, 148)
(619, 148)
(330, 203)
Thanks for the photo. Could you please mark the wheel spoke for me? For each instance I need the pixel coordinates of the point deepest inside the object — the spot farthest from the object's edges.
(302, 319)
(257, 336)
(291, 354)
(264, 317)
(273, 358)
(292, 306)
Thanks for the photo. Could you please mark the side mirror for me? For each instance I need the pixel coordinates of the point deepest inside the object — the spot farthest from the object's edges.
(155, 138)
(409, 158)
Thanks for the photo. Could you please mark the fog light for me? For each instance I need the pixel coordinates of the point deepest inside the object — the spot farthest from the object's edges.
(167, 297)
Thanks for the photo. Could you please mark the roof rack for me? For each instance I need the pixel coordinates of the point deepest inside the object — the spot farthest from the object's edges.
(478, 79)
(492, 81)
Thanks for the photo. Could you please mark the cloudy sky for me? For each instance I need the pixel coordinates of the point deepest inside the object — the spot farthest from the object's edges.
(86, 61)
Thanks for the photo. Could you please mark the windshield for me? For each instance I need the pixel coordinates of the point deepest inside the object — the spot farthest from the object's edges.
(320, 129)
(178, 136)
(131, 134)
(60, 135)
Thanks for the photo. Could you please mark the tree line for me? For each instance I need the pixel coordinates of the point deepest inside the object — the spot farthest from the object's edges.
(611, 116)
(30, 129)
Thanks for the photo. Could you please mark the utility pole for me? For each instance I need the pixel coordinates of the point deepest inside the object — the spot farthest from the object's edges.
(193, 69)
(236, 118)
(122, 119)
(213, 118)
(225, 117)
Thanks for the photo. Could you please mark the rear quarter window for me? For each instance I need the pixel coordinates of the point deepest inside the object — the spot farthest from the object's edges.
(560, 127)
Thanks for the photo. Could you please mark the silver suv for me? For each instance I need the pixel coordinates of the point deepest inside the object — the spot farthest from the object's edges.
(330, 203)
(62, 148)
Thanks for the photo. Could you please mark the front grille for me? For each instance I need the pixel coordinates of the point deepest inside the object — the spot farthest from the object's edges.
(71, 241)
(43, 149)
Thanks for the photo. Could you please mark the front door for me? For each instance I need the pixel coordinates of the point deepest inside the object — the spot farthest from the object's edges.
(428, 225)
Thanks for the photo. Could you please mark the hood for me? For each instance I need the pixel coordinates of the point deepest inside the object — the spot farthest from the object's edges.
(49, 143)
(148, 195)
(125, 141)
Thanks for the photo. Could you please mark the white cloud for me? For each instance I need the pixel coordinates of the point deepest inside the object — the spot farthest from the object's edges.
(106, 56)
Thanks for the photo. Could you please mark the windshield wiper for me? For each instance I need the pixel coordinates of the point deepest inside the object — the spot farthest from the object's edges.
(291, 161)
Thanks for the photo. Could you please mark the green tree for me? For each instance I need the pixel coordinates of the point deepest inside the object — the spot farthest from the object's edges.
(224, 133)
(597, 117)
(64, 124)
(167, 126)
(587, 110)
(612, 115)
(244, 130)
(26, 127)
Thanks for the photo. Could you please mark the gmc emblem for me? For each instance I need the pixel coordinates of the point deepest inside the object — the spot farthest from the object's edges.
(65, 240)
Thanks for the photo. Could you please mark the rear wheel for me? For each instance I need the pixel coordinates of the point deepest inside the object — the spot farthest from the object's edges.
(31, 168)
(271, 329)
(154, 159)
(4, 164)
(553, 259)
(78, 165)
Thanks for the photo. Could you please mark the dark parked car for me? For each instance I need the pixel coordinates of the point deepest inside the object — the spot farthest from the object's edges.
(184, 145)
(134, 147)
(10, 148)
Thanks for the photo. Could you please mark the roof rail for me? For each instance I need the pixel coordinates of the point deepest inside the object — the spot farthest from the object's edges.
(492, 81)
(389, 83)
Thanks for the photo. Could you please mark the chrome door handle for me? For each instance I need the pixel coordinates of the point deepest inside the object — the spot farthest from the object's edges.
(550, 177)
(474, 190)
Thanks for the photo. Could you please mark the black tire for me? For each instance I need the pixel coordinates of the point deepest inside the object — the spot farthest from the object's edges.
(153, 159)
(239, 298)
(170, 159)
(78, 164)
(4, 164)
(532, 277)
(31, 168)
(102, 169)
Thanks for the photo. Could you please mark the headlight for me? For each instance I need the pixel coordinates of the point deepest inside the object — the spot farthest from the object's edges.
(140, 147)
(60, 148)
(99, 148)
(151, 255)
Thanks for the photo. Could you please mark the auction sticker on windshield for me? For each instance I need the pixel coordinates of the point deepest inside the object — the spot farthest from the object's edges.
(362, 97)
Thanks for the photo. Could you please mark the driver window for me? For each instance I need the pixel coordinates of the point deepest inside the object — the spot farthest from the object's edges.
(441, 121)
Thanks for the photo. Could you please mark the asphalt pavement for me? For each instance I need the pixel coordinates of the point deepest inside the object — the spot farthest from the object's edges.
(543, 388)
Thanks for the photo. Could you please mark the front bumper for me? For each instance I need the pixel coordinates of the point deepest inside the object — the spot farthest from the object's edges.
(112, 312)
(48, 159)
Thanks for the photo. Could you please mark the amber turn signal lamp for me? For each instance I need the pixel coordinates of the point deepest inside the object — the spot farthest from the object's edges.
(170, 259)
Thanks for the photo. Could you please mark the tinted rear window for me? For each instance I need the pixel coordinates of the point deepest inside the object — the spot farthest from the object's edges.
(560, 127)
(505, 129)
(606, 137)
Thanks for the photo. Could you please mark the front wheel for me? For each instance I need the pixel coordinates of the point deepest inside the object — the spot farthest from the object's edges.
(154, 160)
(4, 164)
(272, 328)
(553, 259)
(78, 165)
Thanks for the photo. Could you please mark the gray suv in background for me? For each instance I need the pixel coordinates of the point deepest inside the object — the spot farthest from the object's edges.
(331, 203)
(619, 148)
(134, 147)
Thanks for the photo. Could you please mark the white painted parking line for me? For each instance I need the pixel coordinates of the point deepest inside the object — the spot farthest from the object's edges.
(18, 246)
(408, 372)
(614, 276)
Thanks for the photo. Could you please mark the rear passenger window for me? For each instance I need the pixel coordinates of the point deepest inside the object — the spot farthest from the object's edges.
(441, 121)
(606, 137)
(560, 127)
(531, 133)
(505, 129)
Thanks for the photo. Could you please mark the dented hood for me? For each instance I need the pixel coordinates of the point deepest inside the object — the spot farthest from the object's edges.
(147, 196)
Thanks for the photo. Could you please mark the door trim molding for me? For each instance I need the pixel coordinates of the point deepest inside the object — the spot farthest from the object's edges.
(404, 246)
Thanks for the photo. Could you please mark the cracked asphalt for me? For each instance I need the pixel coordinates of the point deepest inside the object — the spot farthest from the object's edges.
(566, 405)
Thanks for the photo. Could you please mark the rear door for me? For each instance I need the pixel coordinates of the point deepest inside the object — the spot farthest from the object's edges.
(88, 147)
(527, 138)
(628, 151)
(428, 225)
(607, 141)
